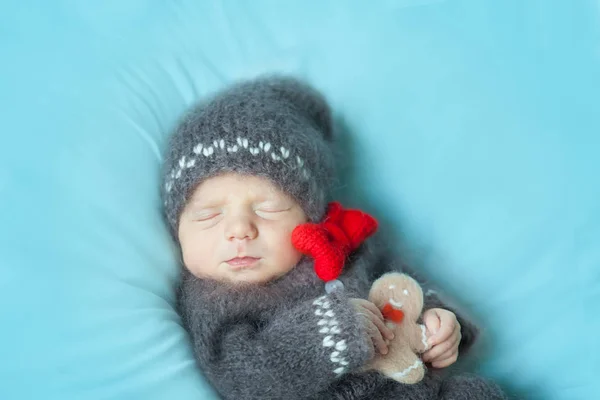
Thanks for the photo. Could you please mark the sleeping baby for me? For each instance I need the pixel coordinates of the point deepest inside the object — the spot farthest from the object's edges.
(244, 170)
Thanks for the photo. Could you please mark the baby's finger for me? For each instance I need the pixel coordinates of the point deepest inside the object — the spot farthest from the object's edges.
(446, 362)
(385, 331)
(447, 355)
(378, 341)
(375, 316)
(435, 353)
(456, 336)
(373, 308)
(443, 334)
(373, 331)
(453, 348)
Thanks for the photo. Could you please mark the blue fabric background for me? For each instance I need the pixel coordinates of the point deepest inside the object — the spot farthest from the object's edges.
(472, 129)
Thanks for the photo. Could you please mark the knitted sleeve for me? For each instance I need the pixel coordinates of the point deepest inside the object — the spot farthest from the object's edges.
(298, 351)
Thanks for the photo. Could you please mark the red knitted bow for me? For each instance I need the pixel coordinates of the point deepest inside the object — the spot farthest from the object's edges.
(331, 241)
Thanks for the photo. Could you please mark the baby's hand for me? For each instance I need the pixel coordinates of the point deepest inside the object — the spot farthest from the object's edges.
(446, 337)
(374, 324)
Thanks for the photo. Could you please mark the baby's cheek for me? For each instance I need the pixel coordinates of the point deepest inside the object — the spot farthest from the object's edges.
(277, 237)
(287, 255)
(201, 256)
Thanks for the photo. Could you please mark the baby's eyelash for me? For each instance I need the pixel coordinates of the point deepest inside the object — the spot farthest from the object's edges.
(206, 217)
(271, 213)
(273, 210)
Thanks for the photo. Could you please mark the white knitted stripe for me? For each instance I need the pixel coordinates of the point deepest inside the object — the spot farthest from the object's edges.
(329, 327)
(241, 144)
(403, 373)
(424, 337)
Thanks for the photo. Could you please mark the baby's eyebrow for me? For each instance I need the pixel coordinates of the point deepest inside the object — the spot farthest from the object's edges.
(201, 204)
(268, 199)
(276, 200)
(270, 195)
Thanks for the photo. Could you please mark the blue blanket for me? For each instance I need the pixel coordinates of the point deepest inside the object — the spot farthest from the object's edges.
(471, 129)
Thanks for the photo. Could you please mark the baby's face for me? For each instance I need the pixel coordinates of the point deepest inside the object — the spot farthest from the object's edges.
(238, 228)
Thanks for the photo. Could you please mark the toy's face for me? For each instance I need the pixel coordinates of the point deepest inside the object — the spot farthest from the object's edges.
(403, 294)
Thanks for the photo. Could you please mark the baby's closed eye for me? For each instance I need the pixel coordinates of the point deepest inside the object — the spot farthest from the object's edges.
(206, 215)
(268, 210)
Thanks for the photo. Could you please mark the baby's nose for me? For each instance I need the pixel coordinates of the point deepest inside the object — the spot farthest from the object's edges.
(241, 229)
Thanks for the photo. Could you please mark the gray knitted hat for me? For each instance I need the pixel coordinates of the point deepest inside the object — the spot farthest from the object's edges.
(274, 127)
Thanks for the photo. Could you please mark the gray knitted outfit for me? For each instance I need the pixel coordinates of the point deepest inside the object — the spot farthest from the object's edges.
(287, 339)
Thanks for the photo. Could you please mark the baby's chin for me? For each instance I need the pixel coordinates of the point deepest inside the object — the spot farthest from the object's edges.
(260, 274)
(255, 276)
